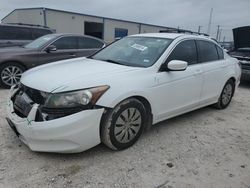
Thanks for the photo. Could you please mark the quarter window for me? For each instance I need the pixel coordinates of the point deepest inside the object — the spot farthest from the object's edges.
(207, 51)
(15, 33)
(66, 43)
(185, 51)
(40, 32)
(220, 52)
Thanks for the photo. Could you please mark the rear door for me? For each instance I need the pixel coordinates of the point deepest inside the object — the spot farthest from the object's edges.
(67, 48)
(87, 46)
(212, 59)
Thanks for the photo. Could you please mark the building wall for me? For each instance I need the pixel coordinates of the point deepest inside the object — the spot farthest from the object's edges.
(151, 29)
(110, 25)
(65, 22)
(30, 16)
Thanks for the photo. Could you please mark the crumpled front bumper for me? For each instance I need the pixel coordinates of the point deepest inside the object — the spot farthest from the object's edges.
(74, 133)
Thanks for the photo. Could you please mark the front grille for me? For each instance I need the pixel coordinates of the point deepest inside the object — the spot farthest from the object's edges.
(22, 107)
(34, 95)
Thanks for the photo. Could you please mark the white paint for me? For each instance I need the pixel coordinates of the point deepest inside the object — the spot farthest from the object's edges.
(169, 94)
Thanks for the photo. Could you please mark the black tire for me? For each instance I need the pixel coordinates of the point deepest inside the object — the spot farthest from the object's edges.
(222, 102)
(19, 69)
(110, 127)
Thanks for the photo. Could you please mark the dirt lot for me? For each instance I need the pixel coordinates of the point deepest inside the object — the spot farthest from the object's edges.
(205, 148)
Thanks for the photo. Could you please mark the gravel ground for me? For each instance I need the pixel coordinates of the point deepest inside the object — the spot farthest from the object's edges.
(204, 148)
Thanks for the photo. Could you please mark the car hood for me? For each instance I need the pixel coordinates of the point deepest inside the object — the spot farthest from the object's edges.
(241, 37)
(14, 50)
(73, 74)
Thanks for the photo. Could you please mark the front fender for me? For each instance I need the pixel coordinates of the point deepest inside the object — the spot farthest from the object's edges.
(111, 99)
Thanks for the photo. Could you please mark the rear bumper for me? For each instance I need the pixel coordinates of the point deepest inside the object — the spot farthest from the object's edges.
(70, 134)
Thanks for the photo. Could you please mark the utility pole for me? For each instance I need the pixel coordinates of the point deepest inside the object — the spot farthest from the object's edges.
(218, 31)
(210, 21)
(199, 29)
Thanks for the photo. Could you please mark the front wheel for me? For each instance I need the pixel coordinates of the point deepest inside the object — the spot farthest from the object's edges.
(226, 95)
(123, 125)
(10, 74)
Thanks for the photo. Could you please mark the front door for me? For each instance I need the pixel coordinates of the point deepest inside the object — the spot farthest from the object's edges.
(179, 91)
(66, 48)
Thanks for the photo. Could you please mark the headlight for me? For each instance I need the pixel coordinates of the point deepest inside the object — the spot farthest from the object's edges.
(75, 98)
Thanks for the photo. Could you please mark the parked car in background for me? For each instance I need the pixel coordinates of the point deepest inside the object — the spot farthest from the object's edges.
(117, 93)
(21, 34)
(49, 48)
(242, 50)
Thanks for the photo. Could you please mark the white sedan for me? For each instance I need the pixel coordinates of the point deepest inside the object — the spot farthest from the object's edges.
(114, 95)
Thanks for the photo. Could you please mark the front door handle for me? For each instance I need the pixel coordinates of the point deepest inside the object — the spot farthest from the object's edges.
(198, 72)
(72, 55)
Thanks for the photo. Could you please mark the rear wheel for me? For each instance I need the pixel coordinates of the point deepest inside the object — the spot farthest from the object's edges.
(10, 74)
(226, 95)
(123, 125)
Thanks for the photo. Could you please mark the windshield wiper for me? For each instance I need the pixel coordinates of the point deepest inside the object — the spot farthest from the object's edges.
(112, 61)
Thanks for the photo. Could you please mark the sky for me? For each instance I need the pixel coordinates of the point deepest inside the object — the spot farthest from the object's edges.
(186, 14)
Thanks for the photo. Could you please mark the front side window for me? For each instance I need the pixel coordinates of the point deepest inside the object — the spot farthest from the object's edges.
(40, 42)
(185, 51)
(66, 43)
(207, 51)
(87, 43)
(134, 51)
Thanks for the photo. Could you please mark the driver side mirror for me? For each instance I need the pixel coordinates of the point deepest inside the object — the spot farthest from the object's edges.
(51, 48)
(174, 65)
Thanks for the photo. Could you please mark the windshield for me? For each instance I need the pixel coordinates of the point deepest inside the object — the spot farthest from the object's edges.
(134, 51)
(40, 42)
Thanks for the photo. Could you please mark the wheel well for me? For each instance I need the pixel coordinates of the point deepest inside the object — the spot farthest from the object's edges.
(233, 79)
(148, 108)
(19, 62)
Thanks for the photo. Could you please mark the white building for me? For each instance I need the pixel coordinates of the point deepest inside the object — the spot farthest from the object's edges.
(71, 22)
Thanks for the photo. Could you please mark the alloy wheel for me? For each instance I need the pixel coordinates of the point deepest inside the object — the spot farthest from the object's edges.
(11, 75)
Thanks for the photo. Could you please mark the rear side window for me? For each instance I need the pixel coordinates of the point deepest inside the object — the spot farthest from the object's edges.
(15, 33)
(66, 43)
(185, 51)
(40, 32)
(207, 51)
(220, 52)
(86, 43)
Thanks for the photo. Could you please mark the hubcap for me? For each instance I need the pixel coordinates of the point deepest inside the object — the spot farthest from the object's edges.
(11, 75)
(227, 94)
(127, 125)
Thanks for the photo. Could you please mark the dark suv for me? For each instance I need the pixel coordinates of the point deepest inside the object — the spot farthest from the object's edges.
(242, 50)
(49, 48)
(20, 34)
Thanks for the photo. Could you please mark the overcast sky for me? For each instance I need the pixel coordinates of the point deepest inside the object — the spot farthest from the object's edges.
(187, 14)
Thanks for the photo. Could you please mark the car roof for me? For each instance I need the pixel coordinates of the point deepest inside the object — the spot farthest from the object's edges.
(26, 26)
(72, 34)
(161, 35)
(173, 35)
